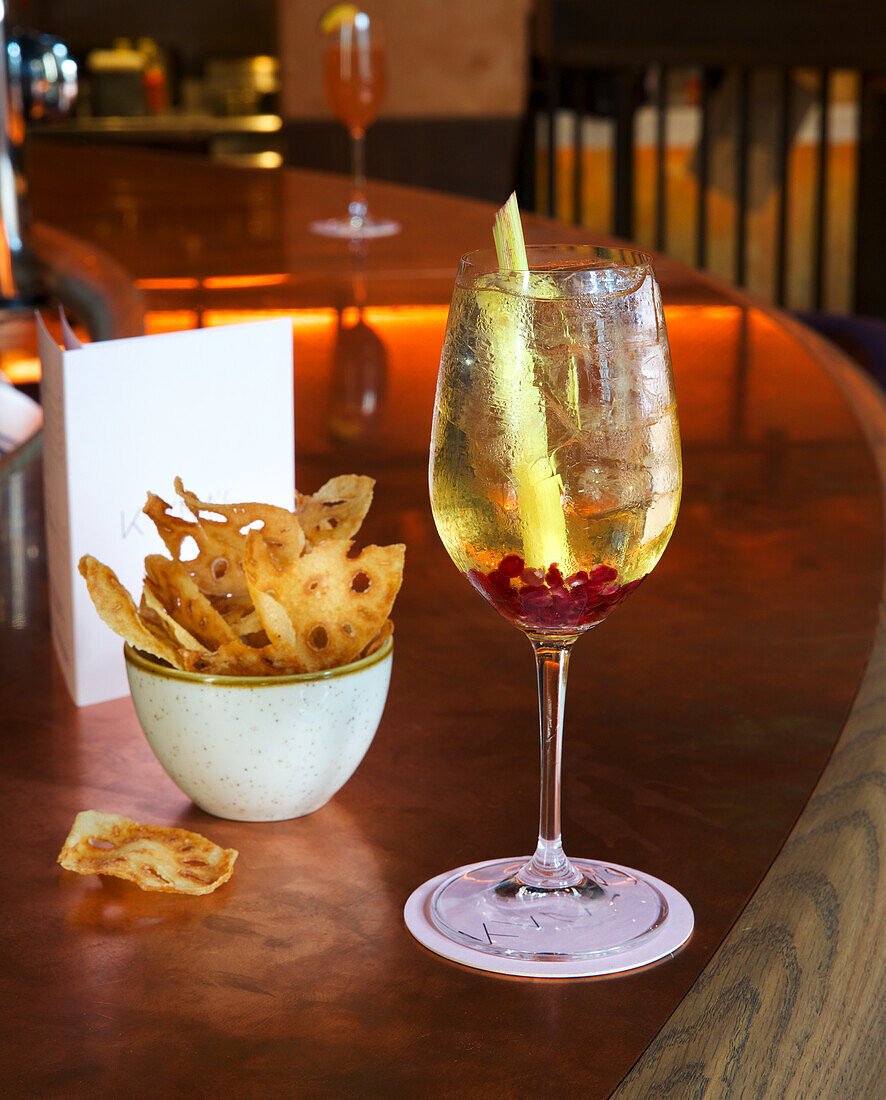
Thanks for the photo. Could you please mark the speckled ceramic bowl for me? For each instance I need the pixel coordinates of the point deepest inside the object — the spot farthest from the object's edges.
(253, 748)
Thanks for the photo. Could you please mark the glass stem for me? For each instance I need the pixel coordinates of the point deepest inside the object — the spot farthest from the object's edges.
(549, 868)
(357, 207)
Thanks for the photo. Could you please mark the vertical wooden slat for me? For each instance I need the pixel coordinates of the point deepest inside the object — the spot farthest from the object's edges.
(870, 218)
(742, 141)
(553, 90)
(623, 160)
(783, 150)
(661, 148)
(579, 78)
(701, 210)
(527, 162)
(819, 228)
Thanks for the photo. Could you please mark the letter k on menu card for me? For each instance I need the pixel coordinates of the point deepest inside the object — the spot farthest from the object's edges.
(122, 417)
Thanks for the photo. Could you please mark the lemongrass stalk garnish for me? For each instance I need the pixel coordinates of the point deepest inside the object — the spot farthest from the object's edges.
(507, 232)
(538, 486)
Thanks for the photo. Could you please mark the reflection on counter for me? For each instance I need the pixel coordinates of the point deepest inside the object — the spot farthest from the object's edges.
(20, 553)
(358, 379)
(249, 141)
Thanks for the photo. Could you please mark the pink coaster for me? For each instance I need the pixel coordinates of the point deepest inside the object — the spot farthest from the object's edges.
(668, 938)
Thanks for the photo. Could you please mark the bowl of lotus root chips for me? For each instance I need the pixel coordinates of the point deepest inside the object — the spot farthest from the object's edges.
(259, 654)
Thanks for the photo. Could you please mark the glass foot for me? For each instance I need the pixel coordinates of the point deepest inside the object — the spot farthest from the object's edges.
(365, 228)
(485, 908)
(536, 950)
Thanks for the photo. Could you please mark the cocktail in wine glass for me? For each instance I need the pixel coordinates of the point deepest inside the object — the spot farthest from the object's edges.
(355, 80)
(555, 481)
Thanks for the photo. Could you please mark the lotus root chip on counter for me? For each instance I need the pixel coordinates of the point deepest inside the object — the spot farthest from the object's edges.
(269, 593)
(154, 857)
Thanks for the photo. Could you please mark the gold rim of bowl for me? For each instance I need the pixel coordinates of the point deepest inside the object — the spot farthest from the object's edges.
(152, 666)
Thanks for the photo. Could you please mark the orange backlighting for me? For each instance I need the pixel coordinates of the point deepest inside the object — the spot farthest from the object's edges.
(167, 284)
(170, 320)
(21, 372)
(236, 282)
(372, 315)
(739, 374)
(299, 317)
(213, 282)
(709, 315)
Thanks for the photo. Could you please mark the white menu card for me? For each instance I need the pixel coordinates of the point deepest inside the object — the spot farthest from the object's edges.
(121, 417)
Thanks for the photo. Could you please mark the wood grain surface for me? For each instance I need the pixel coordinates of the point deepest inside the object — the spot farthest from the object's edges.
(794, 1002)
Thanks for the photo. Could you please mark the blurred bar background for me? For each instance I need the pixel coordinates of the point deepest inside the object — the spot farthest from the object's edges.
(746, 141)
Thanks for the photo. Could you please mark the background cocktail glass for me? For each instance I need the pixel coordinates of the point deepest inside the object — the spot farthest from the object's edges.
(555, 481)
(355, 80)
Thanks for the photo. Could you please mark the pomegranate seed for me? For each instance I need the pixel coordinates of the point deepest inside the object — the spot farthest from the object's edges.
(603, 574)
(511, 565)
(498, 582)
(533, 578)
(553, 575)
(534, 599)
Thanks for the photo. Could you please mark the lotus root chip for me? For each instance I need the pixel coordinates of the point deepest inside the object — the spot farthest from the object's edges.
(240, 659)
(281, 528)
(154, 857)
(117, 609)
(216, 567)
(238, 613)
(336, 604)
(151, 606)
(170, 584)
(257, 564)
(387, 631)
(337, 509)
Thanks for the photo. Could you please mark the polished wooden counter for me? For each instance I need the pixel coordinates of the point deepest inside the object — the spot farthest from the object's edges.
(715, 733)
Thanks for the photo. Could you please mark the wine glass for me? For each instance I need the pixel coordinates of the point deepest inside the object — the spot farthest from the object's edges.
(555, 480)
(355, 80)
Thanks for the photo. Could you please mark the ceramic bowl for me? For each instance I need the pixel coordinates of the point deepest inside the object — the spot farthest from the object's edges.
(260, 748)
